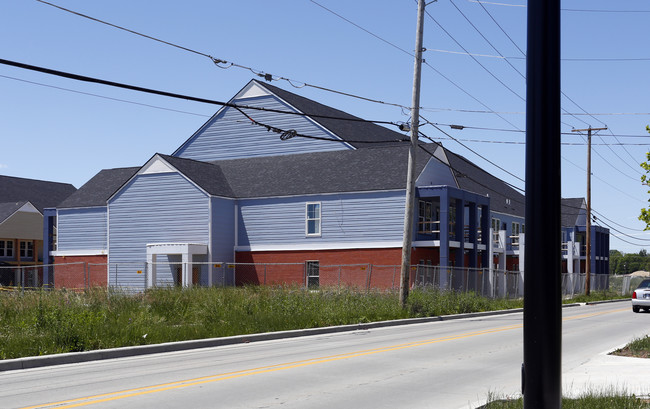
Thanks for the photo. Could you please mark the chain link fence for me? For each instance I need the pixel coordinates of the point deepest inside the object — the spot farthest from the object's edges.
(362, 277)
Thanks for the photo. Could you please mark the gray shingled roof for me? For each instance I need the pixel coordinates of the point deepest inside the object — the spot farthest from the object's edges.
(7, 209)
(208, 176)
(571, 210)
(470, 177)
(380, 168)
(40, 193)
(369, 132)
(97, 190)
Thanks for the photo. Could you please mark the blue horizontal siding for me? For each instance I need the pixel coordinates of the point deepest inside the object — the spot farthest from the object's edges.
(81, 229)
(223, 229)
(230, 135)
(345, 218)
(157, 208)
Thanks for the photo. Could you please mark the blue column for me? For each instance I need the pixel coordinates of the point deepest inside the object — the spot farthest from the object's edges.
(473, 226)
(460, 232)
(444, 227)
(49, 221)
(485, 233)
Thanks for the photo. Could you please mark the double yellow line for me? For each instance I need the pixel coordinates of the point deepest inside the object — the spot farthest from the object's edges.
(128, 393)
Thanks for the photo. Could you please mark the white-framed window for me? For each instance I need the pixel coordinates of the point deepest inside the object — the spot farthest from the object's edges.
(313, 219)
(514, 236)
(26, 249)
(515, 229)
(496, 226)
(6, 248)
(312, 268)
(425, 217)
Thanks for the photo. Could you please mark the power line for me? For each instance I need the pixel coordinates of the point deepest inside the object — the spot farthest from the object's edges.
(178, 96)
(490, 110)
(523, 142)
(493, 46)
(563, 93)
(603, 181)
(471, 150)
(474, 58)
(221, 63)
(600, 215)
(103, 96)
(291, 133)
(572, 10)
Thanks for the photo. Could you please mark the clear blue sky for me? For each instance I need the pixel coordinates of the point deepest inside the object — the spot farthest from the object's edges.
(66, 131)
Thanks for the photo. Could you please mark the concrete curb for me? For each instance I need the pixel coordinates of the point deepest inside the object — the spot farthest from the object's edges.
(87, 356)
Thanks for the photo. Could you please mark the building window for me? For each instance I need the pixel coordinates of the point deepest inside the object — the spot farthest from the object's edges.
(26, 249)
(425, 217)
(313, 219)
(514, 236)
(515, 229)
(313, 274)
(6, 248)
(496, 226)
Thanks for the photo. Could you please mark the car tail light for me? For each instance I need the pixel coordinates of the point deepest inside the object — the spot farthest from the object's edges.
(634, 294)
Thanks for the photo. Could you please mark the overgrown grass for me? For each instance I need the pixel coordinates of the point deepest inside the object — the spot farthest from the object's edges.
(605, 400)
(597, 296)
(50, 322)
(639, 348)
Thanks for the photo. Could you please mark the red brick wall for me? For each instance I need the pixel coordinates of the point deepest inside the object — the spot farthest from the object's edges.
(70, 272)
(512, 263)
(384, 273)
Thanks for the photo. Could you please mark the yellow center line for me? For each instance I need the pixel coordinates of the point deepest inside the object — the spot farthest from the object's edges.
(90, 400)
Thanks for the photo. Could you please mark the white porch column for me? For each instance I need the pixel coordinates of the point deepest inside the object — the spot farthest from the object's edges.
(490, 245)
(522, 257)
(569, 260)
(186, 269)
(151, 270)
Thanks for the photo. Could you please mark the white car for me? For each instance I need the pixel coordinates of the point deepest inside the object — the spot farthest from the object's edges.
(641, 296)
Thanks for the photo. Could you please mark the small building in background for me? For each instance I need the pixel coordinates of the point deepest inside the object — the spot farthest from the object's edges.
(22, 205)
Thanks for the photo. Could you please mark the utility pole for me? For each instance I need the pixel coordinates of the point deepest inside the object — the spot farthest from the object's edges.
(542, 369)
(588, 227)
(410, 178)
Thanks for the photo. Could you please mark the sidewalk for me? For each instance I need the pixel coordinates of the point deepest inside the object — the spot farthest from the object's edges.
(608, 373)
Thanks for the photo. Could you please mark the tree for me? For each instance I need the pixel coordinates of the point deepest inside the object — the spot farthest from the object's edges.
(645, 179)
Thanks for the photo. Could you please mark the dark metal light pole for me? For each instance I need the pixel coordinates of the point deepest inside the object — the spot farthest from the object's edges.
(542, 368)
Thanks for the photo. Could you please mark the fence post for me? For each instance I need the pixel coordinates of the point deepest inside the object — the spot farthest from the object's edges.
(368, 275)
(264, 273)
(339, 278)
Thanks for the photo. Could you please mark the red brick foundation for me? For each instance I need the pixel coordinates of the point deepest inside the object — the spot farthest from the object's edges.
(79, 272)
(376, 268)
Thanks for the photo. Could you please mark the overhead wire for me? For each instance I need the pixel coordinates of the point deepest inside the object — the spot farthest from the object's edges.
(103, 96)
(601, 216)
(78, 77)
(427, 122)
(603, 180)
(221, 63)
(410, 54)
(574, 10)
(286, 134)
(217, 61)
(563, 93)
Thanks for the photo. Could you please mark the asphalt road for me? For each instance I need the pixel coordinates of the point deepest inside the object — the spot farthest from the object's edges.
(448, 364)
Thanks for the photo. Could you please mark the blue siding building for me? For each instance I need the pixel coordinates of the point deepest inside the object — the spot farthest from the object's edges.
(281, 178)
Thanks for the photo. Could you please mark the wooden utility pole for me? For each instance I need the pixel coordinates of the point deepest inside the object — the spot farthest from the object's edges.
(588, 226)
(410, 178)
